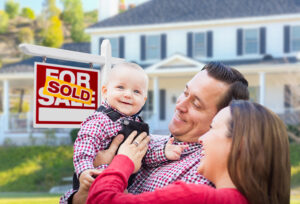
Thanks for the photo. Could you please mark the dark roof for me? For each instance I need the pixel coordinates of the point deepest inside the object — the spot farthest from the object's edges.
(171, 11)
(26, 66)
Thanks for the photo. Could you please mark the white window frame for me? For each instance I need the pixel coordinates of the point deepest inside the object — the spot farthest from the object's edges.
(155, 48)
(245, 43)
(197, 55)
(292, 39)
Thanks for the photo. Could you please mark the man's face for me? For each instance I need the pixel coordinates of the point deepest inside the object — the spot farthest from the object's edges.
(196, 107)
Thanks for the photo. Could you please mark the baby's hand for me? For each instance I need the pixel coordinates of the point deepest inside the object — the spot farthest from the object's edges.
(173, 152)
(87, 177)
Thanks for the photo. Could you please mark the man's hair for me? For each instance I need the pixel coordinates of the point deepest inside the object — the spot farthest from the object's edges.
(259, 160)
(238, 85)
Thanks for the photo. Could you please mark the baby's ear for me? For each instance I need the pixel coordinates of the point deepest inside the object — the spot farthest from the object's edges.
(145, 98)
(104, 91)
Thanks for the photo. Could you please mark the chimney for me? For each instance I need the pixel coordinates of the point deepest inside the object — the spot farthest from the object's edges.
(108, 8)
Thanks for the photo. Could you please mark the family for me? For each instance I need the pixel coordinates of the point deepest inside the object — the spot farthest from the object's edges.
(222, 148)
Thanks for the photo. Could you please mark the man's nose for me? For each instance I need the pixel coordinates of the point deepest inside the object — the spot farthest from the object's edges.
(181, 104)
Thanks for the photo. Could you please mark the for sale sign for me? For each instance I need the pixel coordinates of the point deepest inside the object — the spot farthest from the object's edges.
(64, 96)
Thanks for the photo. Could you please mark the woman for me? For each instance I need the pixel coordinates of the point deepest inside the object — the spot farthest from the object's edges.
(246, 156)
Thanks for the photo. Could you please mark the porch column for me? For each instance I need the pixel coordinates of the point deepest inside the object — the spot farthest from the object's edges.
(262, 80)
(156, 102)
(5, 107)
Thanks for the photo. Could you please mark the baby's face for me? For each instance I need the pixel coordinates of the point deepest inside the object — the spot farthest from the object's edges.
(126, 90)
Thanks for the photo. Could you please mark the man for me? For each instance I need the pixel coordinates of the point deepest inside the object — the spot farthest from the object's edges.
(204, 95)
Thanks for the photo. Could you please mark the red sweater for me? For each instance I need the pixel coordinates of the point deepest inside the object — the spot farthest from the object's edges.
(110, 185)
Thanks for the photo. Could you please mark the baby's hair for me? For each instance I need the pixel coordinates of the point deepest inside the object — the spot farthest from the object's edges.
(128, 65)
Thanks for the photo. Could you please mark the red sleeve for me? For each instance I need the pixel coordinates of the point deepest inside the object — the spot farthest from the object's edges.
(110, 185)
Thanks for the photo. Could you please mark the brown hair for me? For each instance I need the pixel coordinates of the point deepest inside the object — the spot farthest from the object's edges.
(259, 161)
(238, 88)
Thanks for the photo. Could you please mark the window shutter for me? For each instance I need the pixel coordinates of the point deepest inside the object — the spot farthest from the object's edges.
(209, 44)
(99, 47)
(239, 42)
(190, 45)
(163, 46)
(143, 47)
(121, 47)
(262, 35)
(162, 104)
(286, 40)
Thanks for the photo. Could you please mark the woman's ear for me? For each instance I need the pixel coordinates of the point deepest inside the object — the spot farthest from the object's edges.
(104, 91)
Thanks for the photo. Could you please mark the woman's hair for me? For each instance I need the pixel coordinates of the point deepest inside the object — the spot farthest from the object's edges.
(259, 160)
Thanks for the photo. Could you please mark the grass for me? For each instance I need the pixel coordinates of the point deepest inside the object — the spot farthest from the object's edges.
(28, 198)
(34, 169)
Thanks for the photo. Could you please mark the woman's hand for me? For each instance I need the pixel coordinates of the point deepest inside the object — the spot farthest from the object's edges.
(135, 149)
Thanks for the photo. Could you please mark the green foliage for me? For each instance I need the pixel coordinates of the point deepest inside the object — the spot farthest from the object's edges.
(91, 16)
(53, 35)
(26, 35)
(4, 20)
(73, 134)
(34, 168)
(73, 15)
(50, 9)
(295, 162)
(12, 8)
(16, 106)
(28, 13)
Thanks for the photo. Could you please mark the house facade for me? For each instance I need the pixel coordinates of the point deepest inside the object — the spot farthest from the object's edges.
(173, 39)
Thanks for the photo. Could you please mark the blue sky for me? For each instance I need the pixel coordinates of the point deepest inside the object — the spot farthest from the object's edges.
(36, 5)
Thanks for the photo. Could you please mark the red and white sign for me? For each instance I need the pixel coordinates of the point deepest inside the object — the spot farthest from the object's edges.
(64, 96)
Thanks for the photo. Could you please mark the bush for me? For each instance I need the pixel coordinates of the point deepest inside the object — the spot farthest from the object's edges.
(3, 21)
(28, 13)
(26, 35)
(73, 134)
(12, 8)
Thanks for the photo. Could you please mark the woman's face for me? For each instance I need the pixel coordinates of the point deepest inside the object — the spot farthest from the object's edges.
(216, 146)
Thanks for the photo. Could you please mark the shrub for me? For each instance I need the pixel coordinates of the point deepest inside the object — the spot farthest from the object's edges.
(26, 35)
(3, 21)
(28, 13)
(12, 8)
(73, 134)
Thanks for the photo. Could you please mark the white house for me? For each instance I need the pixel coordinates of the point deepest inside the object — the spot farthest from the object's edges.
(173, 39)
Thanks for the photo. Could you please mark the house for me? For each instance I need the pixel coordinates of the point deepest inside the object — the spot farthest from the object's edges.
(173, 39)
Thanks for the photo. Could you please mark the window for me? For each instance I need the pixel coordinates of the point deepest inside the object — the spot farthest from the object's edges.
(199, 46)
(114, 46)
(295, 38)
(251, 41)
(153, 47)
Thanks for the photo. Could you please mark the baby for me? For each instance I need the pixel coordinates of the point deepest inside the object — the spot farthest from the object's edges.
(124, 93)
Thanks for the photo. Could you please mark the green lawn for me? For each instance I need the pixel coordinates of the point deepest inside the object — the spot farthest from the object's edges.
(28, 198)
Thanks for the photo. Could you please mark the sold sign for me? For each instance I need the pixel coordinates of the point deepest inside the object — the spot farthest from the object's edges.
(69, 91)
(64, 96)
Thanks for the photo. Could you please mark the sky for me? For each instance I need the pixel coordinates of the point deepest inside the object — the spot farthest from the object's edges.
(36, 5)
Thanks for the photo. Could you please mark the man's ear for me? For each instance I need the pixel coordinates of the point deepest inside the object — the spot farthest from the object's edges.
(104, 91)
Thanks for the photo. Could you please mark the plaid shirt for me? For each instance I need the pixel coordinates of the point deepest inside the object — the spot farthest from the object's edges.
(96, 134)
(155, 176)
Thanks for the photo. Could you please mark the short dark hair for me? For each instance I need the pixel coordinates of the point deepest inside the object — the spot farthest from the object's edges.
(238, 88)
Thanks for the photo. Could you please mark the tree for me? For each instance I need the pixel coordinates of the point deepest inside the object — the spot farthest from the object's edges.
(53, 35)
(3, 21)
(12, 8)
(73, 15)
(26, 35)
(50, 9)
(28, 13)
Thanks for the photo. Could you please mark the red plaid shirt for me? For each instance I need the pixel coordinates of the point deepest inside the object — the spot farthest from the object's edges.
(159, 175)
